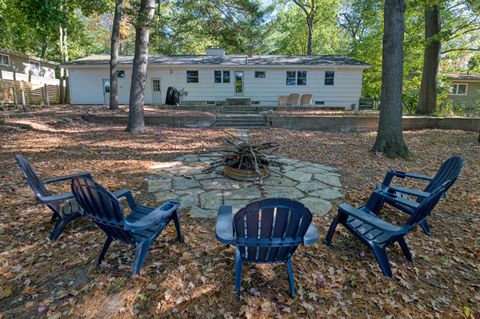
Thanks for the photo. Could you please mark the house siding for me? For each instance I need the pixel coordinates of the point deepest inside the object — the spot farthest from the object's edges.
(86, 84)
(472, 99)
(21, 64)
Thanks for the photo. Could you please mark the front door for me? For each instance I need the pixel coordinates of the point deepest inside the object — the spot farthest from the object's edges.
(238, 75)
(156, 93)
(106, 92)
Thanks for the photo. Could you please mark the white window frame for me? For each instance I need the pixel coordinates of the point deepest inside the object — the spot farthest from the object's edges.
(296, 78)
(330, 78)
(456, 89)
(8, 59)
(33, 65)
(222, 76)
(197, 77)
(259, 77)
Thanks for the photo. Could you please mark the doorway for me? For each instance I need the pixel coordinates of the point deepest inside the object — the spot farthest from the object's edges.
(239, 83)
(156, 92)
(106, 92)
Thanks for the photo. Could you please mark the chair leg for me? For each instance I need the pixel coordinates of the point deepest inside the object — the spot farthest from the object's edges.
(331, 229)
(176, 220)
(382, 258)
(425, 227)
(238, 272)
(104, 250)
(405, 249)
(141, 250)
(290, 277)
(58, 228)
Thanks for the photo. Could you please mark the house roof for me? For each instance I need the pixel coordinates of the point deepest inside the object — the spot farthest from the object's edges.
(465, 77)
(227, 60)
(30, 57)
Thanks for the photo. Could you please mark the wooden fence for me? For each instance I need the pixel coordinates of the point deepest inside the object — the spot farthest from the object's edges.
(22, 91)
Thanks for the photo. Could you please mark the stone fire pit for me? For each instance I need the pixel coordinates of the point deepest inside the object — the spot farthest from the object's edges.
(315, 185)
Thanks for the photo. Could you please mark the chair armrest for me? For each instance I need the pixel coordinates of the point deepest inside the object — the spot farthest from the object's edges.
(54, 198)
(392, 173)
(389, 197)
(224, 227)
(408, 191)
(66, 177)
(311, 236)
(370, 219)
(153, 218)
(128, 195)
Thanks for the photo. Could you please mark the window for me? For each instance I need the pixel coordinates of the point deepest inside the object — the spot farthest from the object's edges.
(121, 74)
(329, 77)
(226, 76)
(290, 77)
(319, 102)
(301, 77)
(260, 74)
(4, 60)
(296, 77)
(192, 76)
(218, 76)
(459, 89)
(34, 65)
(156, 85)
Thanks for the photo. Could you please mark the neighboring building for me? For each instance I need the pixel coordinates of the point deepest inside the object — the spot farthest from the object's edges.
(334, 81)
(465, 89)
(27, 80)
(20, 63)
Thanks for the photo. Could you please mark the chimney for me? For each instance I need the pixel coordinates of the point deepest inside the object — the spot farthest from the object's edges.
(250, 51)
(215, 51)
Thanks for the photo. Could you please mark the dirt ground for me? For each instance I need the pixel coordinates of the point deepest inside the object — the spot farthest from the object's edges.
(44, 279)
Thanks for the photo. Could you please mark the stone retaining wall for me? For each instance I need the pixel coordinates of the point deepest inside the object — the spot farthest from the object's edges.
(369, 123)
(166, 121)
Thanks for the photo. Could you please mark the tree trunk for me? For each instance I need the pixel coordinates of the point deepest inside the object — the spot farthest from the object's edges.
(310, 35)
(427, 101)
(62, 86)
(390, 134)
(136, 123)
(114, 55)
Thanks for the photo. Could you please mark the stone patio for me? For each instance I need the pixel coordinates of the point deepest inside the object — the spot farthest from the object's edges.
(314, 185)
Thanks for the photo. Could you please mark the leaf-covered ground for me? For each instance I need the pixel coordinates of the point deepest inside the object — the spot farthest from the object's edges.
(194, 279)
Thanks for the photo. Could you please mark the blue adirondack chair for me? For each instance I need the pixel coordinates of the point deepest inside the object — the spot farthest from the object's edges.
(64, 206)
(448, 171)
(378, 234)
(266, 231)
(140, 228)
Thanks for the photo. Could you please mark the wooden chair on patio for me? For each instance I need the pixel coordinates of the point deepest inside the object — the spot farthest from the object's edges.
(293, 99)
(306, 100)
(282, 100)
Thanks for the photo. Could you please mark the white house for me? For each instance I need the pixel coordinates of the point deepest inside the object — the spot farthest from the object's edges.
(334, 81)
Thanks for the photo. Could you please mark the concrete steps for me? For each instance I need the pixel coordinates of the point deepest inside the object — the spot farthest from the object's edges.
(243, 109)
(241, 121)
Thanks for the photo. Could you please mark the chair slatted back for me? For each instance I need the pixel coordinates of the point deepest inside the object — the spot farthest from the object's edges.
(449, 171)
(293, 99)
(271, 229)
(103, 207)
(38, 187)
(427, 205)
(306, 99)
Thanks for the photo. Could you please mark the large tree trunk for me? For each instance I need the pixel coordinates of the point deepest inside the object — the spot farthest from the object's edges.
(310, 35)
(62, 70)
(136, 122)
(114, 55)
(427, 101)
(390, 134)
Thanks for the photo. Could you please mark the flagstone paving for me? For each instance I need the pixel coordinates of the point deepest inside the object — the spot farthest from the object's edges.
(315, 185)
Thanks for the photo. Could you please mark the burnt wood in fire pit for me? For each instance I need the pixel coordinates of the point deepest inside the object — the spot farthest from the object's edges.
(244, 161)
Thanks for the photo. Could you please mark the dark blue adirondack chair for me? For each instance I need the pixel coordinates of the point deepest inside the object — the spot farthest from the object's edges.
(378, 234)
(140, 228)
(64, 206)
(448, 171)
(266, 231)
